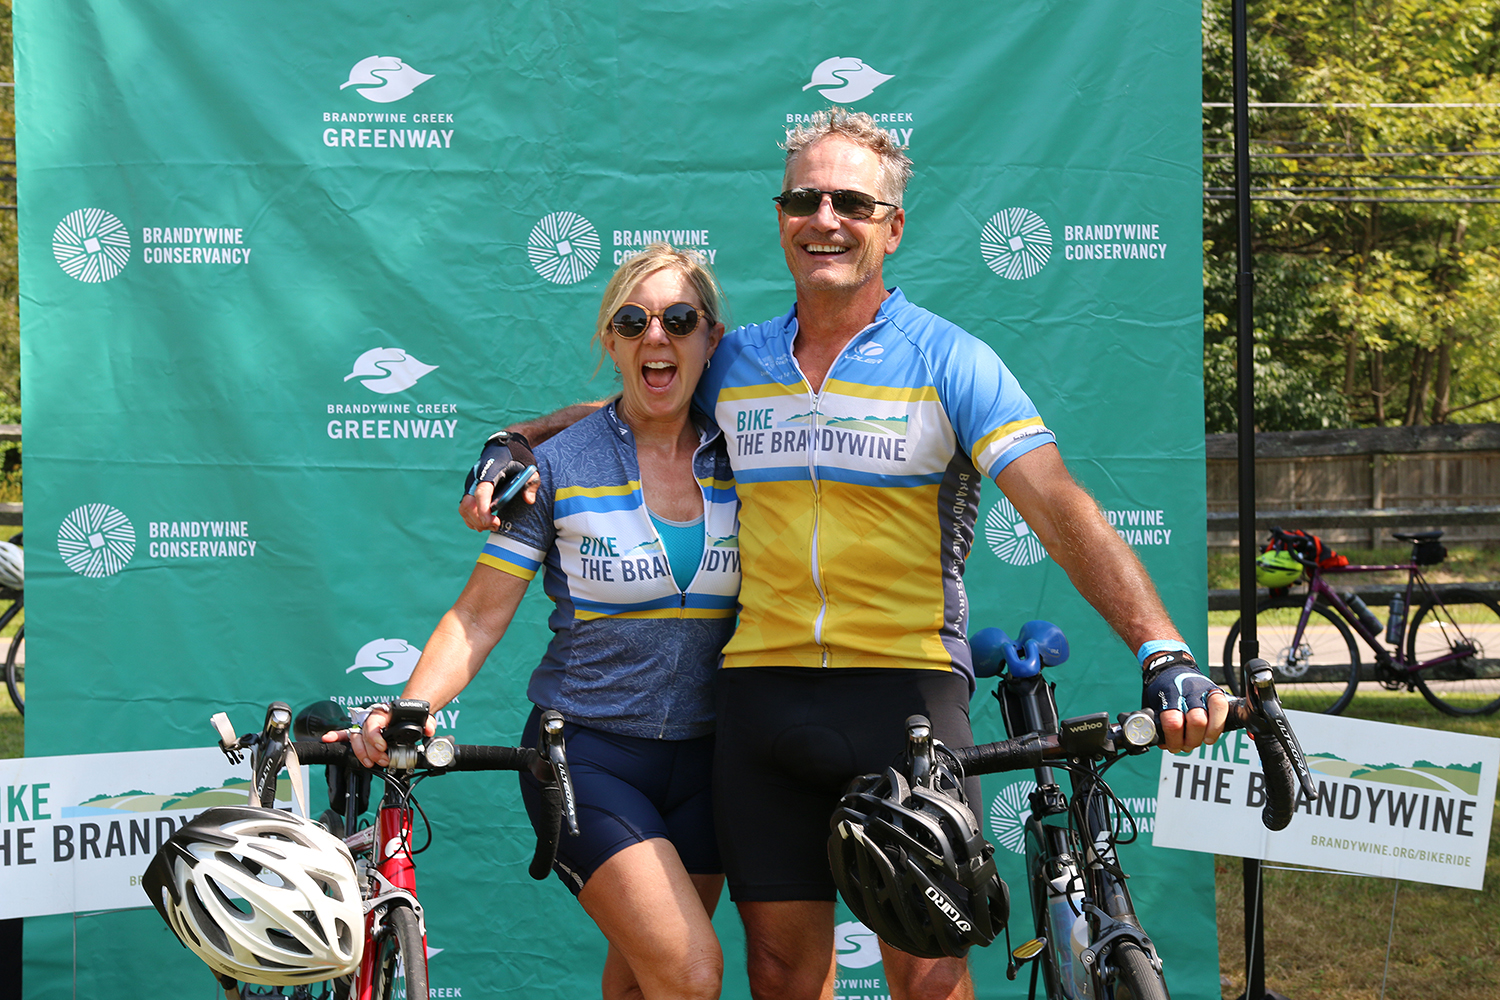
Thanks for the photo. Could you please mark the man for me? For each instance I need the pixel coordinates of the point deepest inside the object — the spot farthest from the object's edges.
(860, 427)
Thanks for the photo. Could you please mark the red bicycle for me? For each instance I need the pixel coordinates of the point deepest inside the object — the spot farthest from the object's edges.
(395, 945)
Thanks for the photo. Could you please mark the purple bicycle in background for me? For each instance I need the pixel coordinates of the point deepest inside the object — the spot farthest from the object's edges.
(1443, 642)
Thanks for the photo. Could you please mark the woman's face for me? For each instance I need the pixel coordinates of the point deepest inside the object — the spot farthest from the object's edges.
(660, 371)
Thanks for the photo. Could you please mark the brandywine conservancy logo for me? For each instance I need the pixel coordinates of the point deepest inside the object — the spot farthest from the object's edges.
(1008, 812)
(847, 79)
(1010, 537)
(563, 247)
(388, 369)
(386, 661)
(96, 540)
(1015, 243)
(91, 245)
(384, 79)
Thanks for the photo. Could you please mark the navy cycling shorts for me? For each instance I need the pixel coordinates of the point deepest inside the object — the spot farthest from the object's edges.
(790, 739)
(629, 790)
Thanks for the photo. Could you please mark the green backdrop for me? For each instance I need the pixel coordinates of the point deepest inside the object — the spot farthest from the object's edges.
(286, 264)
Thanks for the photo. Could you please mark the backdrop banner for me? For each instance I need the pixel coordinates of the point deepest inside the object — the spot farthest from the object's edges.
(1393, 801)
(285, 265)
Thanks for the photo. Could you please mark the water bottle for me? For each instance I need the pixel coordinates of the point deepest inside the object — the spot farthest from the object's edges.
(1397, 623)
(1366, 616)
(1065, 910)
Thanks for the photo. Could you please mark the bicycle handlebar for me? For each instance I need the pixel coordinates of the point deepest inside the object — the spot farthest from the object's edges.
(548, 765)
(1036, 749)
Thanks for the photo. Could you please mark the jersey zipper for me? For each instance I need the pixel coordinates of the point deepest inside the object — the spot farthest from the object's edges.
(815, 400)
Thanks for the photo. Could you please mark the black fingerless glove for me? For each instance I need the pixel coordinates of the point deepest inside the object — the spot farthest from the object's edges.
(1172, 681)
(506, 455)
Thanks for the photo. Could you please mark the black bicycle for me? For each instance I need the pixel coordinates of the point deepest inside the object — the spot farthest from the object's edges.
(1089, 944)
(15, 665)
(395, 928)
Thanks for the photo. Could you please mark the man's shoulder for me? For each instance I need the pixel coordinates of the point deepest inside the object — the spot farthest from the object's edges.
(759, 334)
(940, 340)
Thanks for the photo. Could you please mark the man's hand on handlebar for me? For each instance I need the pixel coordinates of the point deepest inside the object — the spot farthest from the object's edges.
(506, 455)
(1190, 708)
(368, 739)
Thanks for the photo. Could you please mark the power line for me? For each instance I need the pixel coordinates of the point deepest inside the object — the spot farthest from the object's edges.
(1383, 201)
(1355, 156)
(1354, 104)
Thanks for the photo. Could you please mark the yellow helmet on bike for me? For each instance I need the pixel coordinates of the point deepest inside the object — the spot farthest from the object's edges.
(1277, 568)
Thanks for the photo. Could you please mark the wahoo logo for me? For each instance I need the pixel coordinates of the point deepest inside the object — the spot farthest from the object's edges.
(384, 79)
(949, 910)
(847, 78)
(869, 354)
(386, 661)
(388, 369)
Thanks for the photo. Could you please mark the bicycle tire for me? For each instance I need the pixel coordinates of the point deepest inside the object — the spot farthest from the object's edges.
(401, 955)
(15, 674)
(1457, 619)
(1134, 976)
(1324, 672)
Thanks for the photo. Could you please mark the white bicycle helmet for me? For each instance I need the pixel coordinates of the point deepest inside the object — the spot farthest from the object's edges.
(12, 566)
(260, 895)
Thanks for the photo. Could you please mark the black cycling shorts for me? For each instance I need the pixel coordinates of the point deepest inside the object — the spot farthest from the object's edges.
(789, 741)
(628, 790)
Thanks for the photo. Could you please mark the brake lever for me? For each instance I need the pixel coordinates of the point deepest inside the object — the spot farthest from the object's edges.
(1260, 692)
(552, 751)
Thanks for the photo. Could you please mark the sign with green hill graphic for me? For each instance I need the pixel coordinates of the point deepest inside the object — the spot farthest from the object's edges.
(1424, 815)
(79, 830)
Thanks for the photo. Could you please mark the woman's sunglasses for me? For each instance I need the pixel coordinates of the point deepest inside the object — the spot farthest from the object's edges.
(846, 204)
(630, 320)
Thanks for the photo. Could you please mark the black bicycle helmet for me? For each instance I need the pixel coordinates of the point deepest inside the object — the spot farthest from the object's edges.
(910, 861)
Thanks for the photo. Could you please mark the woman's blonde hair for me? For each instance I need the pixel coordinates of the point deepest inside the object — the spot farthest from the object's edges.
(691, 264)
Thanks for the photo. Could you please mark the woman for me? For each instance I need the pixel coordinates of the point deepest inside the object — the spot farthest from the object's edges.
(635, 524)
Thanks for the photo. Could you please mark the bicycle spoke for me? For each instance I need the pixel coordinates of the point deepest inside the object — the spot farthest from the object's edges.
(1458, 641)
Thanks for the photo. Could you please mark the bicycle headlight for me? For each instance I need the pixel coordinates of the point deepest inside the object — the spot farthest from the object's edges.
(1139, 729)
(440, 751)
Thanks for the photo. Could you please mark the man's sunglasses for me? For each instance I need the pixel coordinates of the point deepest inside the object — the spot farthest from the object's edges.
(846, 204)
(630, 320)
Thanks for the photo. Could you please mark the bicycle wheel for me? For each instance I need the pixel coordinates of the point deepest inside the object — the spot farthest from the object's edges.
(15, 672)
(1464, 625)
(1320, 674)
(401, 956)
(1133, 975)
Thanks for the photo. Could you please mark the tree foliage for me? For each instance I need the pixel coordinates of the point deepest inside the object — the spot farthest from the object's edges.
(1377, 267)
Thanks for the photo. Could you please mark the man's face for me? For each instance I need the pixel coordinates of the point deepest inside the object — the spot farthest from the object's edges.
(824, 251)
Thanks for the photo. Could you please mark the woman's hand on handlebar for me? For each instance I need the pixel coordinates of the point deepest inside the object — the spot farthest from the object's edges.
(368, 739)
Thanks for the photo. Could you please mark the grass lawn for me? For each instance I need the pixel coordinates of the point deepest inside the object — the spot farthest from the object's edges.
(1326, 935)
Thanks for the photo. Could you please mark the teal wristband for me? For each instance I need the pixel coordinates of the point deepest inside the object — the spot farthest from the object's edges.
(1157, 646)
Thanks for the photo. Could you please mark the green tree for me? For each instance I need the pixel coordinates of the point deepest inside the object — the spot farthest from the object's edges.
(1378, 274)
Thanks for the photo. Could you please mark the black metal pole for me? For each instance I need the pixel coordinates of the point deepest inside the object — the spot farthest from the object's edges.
(1255, 949)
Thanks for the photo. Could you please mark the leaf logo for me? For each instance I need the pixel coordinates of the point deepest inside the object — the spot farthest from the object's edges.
(849, 79)
(388, 369)
(858, 947)
(384, 79)
(386, 661)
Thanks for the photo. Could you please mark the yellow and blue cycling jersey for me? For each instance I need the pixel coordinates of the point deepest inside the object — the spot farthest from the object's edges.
(859, 501)
(631, 652)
